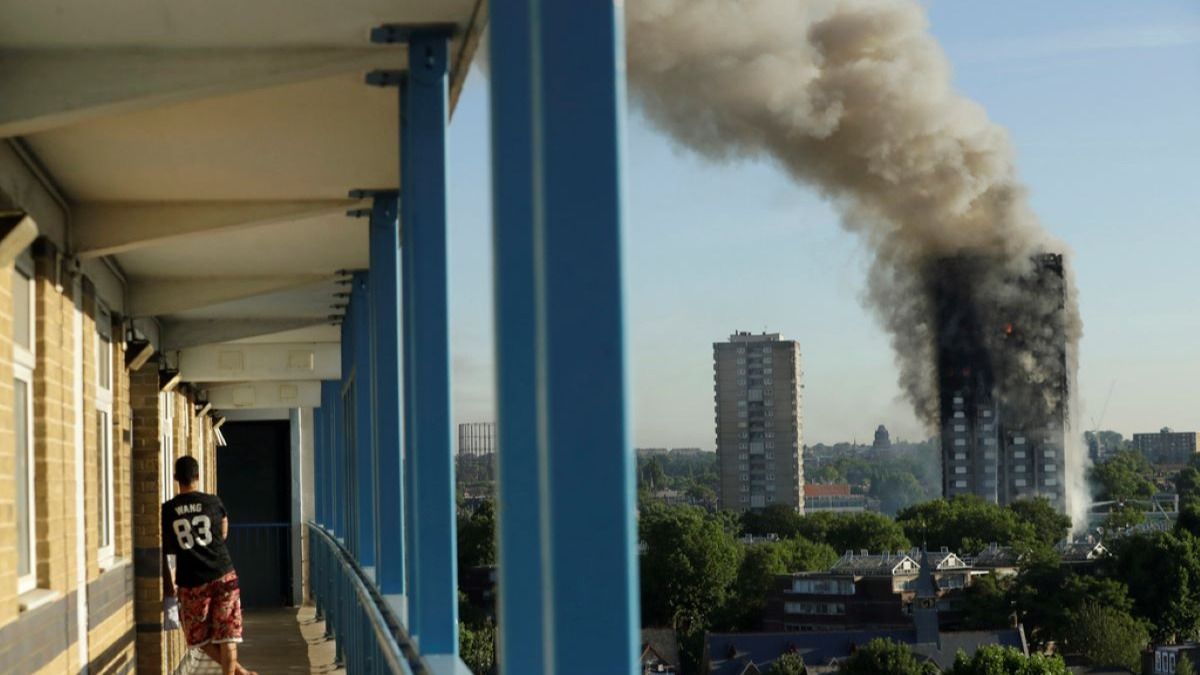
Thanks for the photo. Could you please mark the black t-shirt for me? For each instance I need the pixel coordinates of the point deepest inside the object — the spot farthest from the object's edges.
(191, 530)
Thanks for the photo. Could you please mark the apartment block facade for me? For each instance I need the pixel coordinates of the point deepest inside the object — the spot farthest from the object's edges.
(1167, 446)
(759, 428)
(999, 440)
(86, 446)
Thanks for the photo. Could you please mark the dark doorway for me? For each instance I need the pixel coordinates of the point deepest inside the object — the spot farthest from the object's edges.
(254, 482)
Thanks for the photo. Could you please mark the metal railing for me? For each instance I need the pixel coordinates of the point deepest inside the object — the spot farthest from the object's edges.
(262, 553)
(370, 639)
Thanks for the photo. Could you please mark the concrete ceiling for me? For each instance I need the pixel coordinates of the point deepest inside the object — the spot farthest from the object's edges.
(227, 107)
(40, 24)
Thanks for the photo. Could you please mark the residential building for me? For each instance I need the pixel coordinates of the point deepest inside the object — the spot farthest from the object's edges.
(834, 497)
(758, 396)
(1001, 445)
(1003, 561)
(1162, 660)
(863, 591)
(660, 651)
(919, 622)
(1167, 446)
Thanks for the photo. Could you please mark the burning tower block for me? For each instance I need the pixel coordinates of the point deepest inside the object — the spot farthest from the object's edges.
(1001, 352)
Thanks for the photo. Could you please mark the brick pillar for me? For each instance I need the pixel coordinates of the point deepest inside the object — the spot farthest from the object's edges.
(147, 536)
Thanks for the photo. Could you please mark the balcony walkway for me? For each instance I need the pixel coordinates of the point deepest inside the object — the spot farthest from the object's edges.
(282, 641)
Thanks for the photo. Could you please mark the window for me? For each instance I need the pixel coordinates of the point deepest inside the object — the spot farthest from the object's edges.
(825, 608)
(1051, 468)
(104, 405)
(1019, 454)
(960, 441)
(960, 483)
(823, 586)
(958, 400)
(1019, 440)
(958, 415)
(960, 427)
(24, 361)
(1051, 482)
(1051, 453)
(960, 455)
(1020, 482)
(960, 469)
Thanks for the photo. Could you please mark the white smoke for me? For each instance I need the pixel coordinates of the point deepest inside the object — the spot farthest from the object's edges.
(854, 97)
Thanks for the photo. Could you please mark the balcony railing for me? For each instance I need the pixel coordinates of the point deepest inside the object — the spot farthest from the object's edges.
(370, 638)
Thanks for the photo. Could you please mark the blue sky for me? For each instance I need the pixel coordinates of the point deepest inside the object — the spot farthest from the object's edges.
(1102, 101)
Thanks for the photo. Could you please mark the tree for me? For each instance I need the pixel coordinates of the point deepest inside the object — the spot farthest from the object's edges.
(1123, 517)
(1123, 476)
(986, 604)
(997, 660)
(1047, 594)
(477, 647)
(756, 575)
(477, 536)
(853, 531)
(1162, 572)
(788, 664)
(965, 524)
(777, 519)
(689, 567)
(885, 656)
(1107, 636)
(1184, 666)
(1049, 526)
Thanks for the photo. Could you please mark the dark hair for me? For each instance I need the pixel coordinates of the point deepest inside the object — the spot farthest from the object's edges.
(187, 470)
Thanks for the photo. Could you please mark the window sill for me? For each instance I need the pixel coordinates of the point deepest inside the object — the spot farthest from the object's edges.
(38, 597)
(111, 563)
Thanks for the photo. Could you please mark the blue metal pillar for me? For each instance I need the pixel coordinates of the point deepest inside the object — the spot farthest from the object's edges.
(569, 122)
(433, 583)
(385, 393)
(364, 437)
(519, 545)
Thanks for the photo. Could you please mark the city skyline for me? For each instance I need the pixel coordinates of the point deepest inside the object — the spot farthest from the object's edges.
(702, 236)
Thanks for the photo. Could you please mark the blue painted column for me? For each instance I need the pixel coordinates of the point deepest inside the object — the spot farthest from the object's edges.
(433, 608)
(519, 590)
(385, 393)
(364, 437)
(570, 122)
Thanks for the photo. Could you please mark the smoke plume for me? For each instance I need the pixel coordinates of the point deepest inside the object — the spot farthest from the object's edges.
(854, 97)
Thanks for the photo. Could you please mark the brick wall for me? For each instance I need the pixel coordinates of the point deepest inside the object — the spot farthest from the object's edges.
(124, 593)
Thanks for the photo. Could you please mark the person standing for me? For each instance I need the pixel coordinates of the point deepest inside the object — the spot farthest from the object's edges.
(194, 529)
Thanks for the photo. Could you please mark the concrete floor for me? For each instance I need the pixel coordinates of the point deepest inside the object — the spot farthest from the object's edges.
(281, 641)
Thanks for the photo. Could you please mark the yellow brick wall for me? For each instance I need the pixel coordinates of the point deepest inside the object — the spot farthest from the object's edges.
(8, 508)
(54, 433)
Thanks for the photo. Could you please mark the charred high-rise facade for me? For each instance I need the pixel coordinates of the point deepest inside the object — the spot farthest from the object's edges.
(1002, 377)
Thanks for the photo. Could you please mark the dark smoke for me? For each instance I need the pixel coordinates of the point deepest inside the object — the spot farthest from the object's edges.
(854, 97)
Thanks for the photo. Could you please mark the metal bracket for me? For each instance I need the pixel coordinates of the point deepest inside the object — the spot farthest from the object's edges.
(367, 193)
(386, 78)
(391, 33)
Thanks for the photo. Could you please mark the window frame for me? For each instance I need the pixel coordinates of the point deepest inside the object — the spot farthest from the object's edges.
(166, 422)
(102, 350)
(24, 362)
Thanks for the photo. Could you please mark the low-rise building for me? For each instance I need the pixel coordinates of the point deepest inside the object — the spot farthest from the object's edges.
(862, 591)
(1163, 660)
(885, 581)
(833, 497)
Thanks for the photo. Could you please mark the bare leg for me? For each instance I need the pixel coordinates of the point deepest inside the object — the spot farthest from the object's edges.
(229, 661)
(214, 652)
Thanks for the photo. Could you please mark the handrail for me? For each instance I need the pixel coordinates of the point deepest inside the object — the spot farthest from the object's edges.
(392, 640)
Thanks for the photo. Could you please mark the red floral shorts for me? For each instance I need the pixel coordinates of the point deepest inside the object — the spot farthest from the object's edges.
(212, 613)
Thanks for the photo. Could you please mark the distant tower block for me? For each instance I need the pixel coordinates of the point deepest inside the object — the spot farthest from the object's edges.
(1002, 437)
(476, 452)
(759, 428)
(882, 439)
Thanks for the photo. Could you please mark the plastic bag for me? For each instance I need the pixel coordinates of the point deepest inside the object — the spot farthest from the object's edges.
(170, 613)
